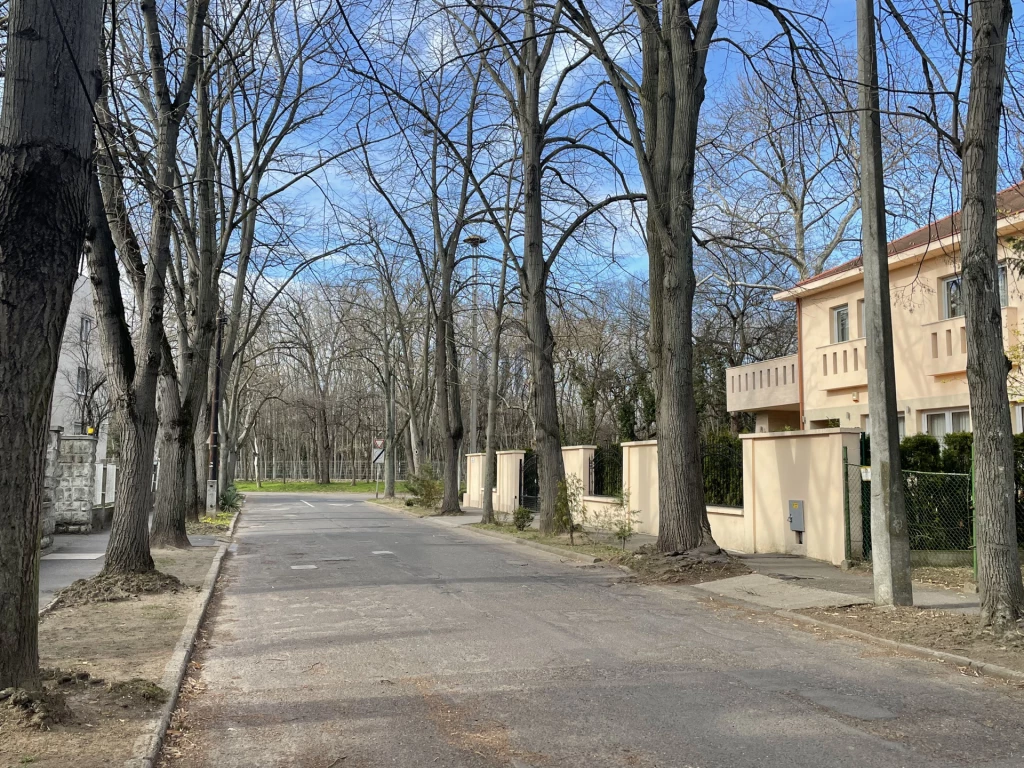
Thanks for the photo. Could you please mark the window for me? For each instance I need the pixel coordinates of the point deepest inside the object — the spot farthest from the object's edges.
(841, 324)
(82, 384)
(952, 306)
(1004, 293)
(861, 330)
(940, 423)
(85, 330)
(901, 425)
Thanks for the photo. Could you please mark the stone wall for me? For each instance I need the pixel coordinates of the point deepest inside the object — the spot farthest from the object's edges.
(51, 479)
(73, 498)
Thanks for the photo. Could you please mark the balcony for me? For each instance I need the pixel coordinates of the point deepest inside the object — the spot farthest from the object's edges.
(946, 343)
(771, 385)
(842, 365)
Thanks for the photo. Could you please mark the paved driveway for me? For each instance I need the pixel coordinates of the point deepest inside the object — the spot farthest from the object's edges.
(348, 635)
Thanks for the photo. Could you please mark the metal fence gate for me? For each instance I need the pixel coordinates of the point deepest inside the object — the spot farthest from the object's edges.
(940, 514)
(529, 483)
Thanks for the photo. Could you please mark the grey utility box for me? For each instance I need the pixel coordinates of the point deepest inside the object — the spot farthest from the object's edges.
(796, 516)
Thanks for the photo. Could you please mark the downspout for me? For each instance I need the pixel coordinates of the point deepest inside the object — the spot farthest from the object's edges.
(800, 361)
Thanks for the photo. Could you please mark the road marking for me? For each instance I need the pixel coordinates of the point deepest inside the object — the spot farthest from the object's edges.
(303, 567)
(339, 505)
(383, 552)
(306, 503)
(74, 556)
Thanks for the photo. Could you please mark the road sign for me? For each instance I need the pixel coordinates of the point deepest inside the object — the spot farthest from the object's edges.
(378, 450)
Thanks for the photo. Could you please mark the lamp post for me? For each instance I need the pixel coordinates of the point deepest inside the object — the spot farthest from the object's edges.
(474, 242)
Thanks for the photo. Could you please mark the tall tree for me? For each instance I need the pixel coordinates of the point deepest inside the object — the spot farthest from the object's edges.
(999, 576)
(45, 167)
(134, 362)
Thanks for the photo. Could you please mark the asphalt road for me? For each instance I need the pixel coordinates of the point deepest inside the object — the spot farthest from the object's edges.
(346, 635)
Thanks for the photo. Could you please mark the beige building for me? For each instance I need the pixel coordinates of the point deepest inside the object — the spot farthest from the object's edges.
(825, 383)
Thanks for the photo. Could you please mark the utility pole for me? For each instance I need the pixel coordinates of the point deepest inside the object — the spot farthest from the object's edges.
(213, 483)
(474, 242)
(890, 541)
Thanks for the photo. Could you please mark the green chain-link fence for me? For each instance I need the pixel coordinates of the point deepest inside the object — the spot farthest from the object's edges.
(939, 515)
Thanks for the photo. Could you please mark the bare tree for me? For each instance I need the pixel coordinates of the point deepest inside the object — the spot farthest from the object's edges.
(45, 167)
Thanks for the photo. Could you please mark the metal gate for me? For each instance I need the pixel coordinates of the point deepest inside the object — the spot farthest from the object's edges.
(529, 483)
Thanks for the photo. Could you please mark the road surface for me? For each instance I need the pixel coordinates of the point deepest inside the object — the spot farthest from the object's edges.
(346, 635)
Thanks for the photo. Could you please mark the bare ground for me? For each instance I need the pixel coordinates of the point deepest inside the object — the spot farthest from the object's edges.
(940, 630)
(107, 660)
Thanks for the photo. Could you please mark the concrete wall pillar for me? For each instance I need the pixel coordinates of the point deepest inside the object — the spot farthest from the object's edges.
(51, 479)
(74, 492)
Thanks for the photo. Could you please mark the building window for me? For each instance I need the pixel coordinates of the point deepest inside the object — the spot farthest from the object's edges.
(940, 423)
(82, 384)
(861, 330)
(901, 425)
(841, 324)
(85, 330)
(1004, 293)
(952, 304)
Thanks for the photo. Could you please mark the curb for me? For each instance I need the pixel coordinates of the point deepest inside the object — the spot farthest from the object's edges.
(47, 608)
(981, 667)
(578, 557)
(147, 747)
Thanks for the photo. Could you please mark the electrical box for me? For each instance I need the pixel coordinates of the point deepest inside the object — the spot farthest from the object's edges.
(796, 516)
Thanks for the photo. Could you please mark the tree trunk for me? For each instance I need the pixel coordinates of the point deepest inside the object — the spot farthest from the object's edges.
(175, 440)
(449, 400)
(999, 578)
(323, 449)
(890, 540)
(45, 151)
(128, 547)
(390, 451)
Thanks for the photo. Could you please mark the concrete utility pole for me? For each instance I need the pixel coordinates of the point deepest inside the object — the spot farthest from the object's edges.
(213, 483)
(890, 541)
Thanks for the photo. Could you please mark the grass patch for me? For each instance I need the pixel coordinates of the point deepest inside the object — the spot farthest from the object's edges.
(308, 486)
(210, 526)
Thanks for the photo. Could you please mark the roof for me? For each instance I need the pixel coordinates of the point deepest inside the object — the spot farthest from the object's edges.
(1008, 202)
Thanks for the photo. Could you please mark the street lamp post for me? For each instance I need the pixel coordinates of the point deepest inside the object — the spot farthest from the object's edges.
(212, 489)
(474, 242)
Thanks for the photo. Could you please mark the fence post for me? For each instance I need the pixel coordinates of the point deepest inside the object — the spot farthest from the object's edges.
(847, 546)
(974, 523)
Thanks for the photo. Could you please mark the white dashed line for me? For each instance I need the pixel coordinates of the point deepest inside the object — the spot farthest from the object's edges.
(303, 567)
(383, 552)
(306, 503)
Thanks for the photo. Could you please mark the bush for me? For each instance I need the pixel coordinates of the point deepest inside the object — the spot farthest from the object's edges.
(410, 502)
(522, 518)
(920, 453)
(956, 452)
(231, 500)
(425, 487)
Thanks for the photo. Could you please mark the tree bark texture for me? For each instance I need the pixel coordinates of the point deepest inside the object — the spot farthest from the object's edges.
(175, 453)
(449, 396)
(45, 151)
(999, 578)
(890, 539)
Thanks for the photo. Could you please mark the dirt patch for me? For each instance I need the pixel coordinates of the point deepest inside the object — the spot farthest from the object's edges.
(412, 509)
(940, 630)
(652, 567)
(112, 588)
(106, 660)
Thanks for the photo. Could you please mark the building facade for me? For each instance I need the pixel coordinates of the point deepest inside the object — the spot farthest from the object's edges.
(80, 405)
(825, 383)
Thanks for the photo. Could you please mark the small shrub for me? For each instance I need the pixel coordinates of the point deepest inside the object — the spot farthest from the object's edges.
(624, 524)
(425, 487)
(410, 503)
(231, 500)
(569, 509)
(522, 518)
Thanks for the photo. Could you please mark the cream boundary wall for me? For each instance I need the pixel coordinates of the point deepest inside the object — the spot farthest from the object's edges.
(778, 467)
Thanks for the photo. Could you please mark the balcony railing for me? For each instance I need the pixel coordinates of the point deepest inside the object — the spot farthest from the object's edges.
(842, 365)
(946, 343)
(763, 386)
